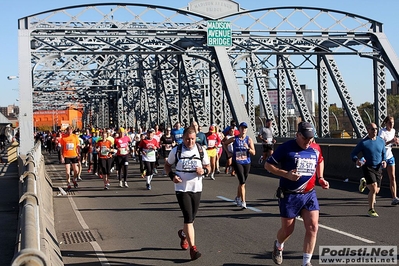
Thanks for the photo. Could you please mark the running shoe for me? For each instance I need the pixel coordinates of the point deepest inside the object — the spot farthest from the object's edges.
(194, 253)
(212, 176)
(238, 202)
(395, 201)
(362, 184)
(120, 183)
(106, 187)
(89, 170)
(217, 171)
(68, 188)
(155, 171)
(126, 185)
(183, 240)
(244, 205)
(75, 184)
(79, 178)
(260, 159)
(277, 254)
(372, 213)
(148, 186)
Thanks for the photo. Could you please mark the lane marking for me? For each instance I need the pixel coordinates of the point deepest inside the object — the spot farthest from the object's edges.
(343, 233)
(320, 225)
(96, 247)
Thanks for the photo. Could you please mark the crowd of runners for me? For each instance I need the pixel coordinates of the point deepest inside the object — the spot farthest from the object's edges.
(190, 155)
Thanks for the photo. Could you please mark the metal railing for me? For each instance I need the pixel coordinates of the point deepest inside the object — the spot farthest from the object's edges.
(36, 238)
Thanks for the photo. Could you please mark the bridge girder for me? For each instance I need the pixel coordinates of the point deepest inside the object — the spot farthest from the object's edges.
(160, 67)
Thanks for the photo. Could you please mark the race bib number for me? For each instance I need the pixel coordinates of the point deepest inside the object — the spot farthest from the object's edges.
(269, 140)
(189, 165)
(70, 146)
(241, 155)
(305, 166)
(150, 153)
(211, 143)
(104, 150)
(123, 151)
(168, 147)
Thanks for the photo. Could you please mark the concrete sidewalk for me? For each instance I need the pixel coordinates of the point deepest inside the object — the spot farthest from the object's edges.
(9, 208)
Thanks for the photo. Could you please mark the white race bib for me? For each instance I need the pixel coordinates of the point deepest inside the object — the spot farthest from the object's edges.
(305, 166)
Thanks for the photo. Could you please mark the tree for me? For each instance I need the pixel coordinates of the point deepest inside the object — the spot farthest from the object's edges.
(393, 106)
(366, 111)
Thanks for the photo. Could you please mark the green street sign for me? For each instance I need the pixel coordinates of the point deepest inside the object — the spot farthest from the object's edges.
(219, 33)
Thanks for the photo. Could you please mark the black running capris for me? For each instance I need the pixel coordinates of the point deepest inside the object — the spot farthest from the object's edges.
(242, 171)
(149, 167)
(189, 204)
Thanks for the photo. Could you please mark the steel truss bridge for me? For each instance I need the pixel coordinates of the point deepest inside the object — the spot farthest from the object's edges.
(137, 64)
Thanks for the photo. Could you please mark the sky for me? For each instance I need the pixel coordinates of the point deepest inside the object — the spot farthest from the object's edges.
(357, 79)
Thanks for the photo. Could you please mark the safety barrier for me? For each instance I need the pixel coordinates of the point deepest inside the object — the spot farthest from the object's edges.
(36, 240)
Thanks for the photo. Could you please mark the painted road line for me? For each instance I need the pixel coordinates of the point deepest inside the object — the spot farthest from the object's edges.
(343, 233)
(96, 247)
(230, 200)
(320, 225)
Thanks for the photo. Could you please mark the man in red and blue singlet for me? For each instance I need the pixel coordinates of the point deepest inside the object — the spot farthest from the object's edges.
(298, 162)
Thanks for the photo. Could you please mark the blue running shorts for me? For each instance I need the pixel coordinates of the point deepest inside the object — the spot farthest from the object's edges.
(292, 204)
(391, 161)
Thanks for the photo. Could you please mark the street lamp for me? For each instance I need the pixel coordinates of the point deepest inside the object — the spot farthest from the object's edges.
(12, 77)
(336, 119)
(367, 115)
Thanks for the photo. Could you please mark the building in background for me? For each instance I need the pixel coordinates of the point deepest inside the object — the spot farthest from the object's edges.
(394, 88)
(54, 120)
(11, 112)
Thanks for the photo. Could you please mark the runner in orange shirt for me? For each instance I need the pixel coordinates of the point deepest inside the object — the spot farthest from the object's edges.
(69, 155)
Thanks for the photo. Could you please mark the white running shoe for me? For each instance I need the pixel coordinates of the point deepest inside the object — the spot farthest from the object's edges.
(120, 183)
(126, 184)
(244, 205)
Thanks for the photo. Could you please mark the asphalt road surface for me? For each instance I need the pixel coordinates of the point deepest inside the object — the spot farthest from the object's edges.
(135, 226)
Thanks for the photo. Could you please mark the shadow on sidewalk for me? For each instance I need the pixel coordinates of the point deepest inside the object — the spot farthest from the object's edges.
(9, 208)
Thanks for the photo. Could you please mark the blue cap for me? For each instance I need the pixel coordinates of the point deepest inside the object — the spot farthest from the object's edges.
(243, 124)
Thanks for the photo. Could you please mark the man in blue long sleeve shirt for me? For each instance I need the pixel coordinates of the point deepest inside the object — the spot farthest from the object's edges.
(372, 148)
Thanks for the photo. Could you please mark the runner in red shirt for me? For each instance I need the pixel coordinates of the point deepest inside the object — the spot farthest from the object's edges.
(104, 149)
(213, 141)
(122, 155)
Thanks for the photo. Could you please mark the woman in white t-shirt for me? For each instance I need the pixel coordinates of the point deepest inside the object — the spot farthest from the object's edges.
(388, 135)
(191, 165)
